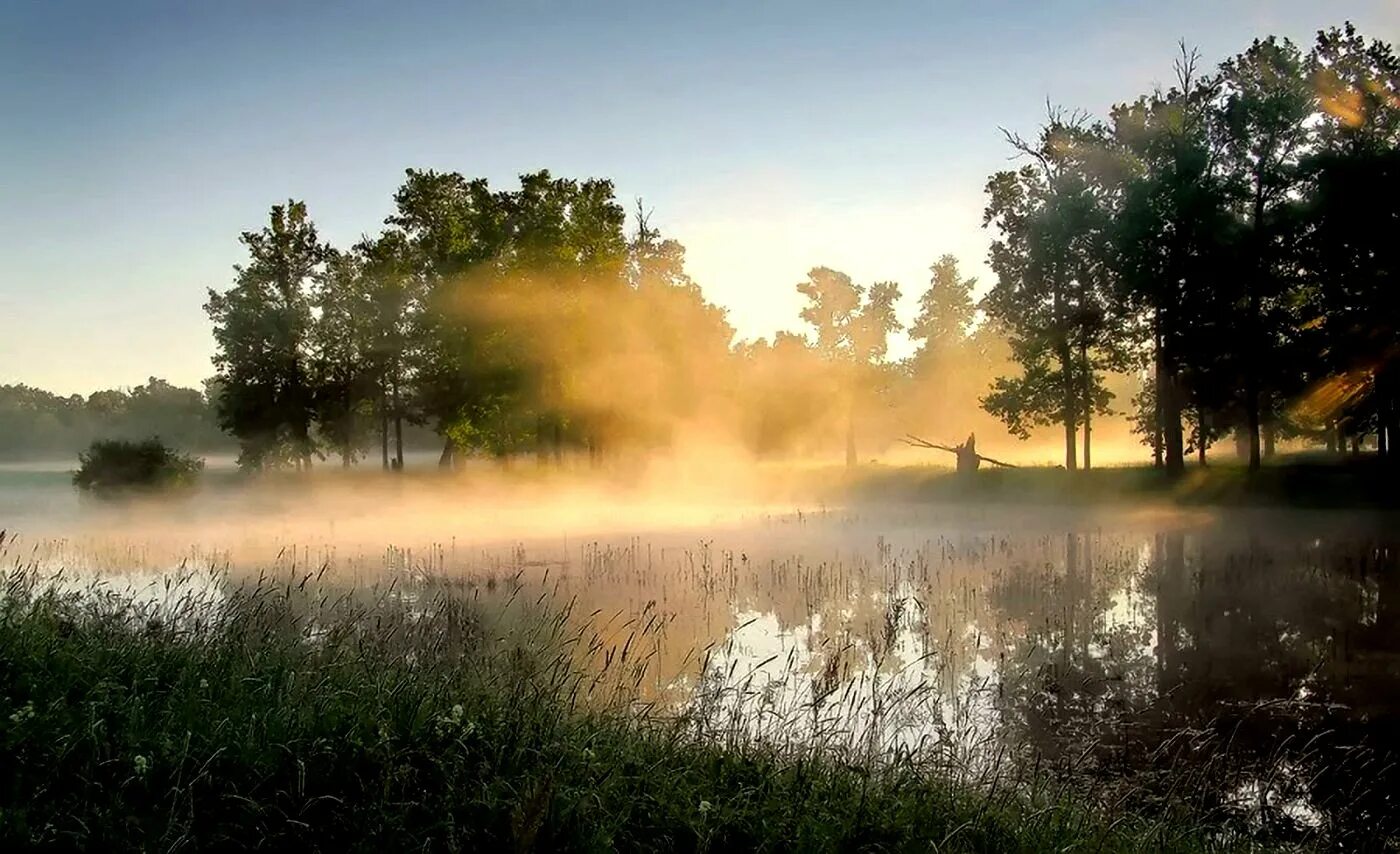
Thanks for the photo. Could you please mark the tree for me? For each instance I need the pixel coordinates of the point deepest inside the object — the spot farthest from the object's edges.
(36, 424)
(261, 329)
(946, 310)
(783, 387)
(942, 331)
(1052, 256)
(568, 251)
(1350, 219)
(660, 355)
(871, 326)
(1265, 106)
(832, 301)
(178, 415)
(340, 357)
(508, 279)
(1175, 244)
(455, 234)
(851, 333)
(391, 306)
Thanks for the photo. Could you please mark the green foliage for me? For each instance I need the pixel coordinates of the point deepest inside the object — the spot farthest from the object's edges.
(525, 295)
(113, 466)
(1177, 243)
(852, 326)
(946, 310)
(1056, 276)
(262, 327)
(832, 301)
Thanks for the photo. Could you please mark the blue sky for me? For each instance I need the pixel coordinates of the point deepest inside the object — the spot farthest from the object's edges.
(140, 138)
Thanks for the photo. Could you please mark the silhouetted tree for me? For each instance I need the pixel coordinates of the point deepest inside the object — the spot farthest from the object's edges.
(946, 315)
(261, 330)
(1175, 241)
(852, 329)
(1265, 106)
(1052, 253)
(1351, 217)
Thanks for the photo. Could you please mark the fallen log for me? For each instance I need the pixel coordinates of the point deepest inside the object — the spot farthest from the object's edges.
(968, 458)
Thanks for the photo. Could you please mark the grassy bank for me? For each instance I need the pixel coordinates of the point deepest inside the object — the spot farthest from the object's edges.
(1298, 482)
(280, 717)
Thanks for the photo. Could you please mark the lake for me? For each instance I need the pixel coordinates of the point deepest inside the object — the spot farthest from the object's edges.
(1244, 662)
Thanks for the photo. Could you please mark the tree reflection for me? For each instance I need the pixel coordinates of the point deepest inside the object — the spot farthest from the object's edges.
(1253, 671)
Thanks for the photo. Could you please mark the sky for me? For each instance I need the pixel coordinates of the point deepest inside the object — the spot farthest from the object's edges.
(138, 139)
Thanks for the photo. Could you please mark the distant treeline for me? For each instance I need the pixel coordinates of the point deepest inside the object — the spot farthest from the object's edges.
(37, 424)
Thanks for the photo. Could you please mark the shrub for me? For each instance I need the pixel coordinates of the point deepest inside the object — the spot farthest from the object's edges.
(109, 466)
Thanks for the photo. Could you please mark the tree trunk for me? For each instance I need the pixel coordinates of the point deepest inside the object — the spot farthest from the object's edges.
(1087, 401)
(1270, 434)
(1157, 389)
(1251, 403)
(1068, 398)
(398, 429)
(1169, 407)
(384, 426)
(1070, 404)
(1070, 436)
(448, 459)
(1252, 355)
(1088, 459)
(1201, 436)
(1173, 436)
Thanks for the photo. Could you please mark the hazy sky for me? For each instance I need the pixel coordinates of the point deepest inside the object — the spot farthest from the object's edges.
(137, 139)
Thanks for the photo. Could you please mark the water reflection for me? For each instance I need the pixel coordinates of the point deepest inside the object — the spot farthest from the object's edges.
(1248, 665)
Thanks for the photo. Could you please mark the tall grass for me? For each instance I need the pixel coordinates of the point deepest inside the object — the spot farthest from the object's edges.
(284, 713)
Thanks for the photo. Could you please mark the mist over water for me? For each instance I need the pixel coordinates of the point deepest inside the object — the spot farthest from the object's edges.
(1251, 653)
